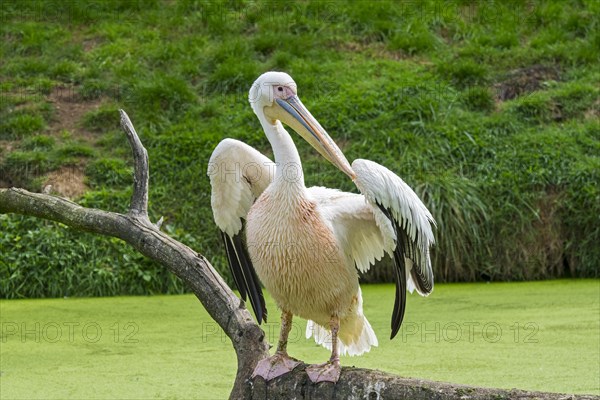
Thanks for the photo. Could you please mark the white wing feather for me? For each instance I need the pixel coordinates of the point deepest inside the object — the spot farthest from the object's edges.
(364, 231)
(381, 187)
(238, 175)
(363, 235)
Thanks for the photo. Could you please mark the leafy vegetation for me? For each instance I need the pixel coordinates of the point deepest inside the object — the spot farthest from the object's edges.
(94, 266)
(489, 109)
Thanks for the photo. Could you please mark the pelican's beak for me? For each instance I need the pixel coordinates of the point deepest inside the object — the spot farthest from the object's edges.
(296, 116)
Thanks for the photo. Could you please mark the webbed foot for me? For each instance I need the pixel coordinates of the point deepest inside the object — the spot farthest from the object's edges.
(328, 372)
(274, 366)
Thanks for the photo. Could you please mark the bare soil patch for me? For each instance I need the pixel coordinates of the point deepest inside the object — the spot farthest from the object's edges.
(525, 80)
(70, 109)
(68, 181)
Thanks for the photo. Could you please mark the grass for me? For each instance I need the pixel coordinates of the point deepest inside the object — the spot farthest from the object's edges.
(539, 336)
(489, 109)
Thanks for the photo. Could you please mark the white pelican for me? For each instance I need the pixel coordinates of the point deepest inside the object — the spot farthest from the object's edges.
(306, 244)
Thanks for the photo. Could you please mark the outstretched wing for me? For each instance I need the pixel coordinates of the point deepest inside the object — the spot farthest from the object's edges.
(387, 217)
(412, 226)
(238, 175)
(362, 237)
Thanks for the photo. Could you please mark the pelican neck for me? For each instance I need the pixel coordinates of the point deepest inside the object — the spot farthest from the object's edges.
(289, 171)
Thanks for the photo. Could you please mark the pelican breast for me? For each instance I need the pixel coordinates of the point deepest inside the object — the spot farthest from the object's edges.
(298, 258)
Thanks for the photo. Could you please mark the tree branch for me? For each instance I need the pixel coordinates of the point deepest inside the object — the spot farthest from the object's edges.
(224, 306)
(358, 383)
(139, 198)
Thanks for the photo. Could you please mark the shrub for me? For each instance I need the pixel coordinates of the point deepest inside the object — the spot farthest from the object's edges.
(416, 39)
(46, 259)
(103, 119)
(464, 73)
(20, 124)
(39, 142)
(478, 98)
(108, 172)
(22, 167)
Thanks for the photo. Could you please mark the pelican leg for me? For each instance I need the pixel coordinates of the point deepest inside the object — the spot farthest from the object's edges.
(330, 371)
(286, 326)
(280, 363)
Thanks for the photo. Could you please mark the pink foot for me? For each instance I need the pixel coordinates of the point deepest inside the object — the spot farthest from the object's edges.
(328, 372)
(277, 365)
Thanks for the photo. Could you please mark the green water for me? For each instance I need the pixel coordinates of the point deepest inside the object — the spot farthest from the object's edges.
(533, 335)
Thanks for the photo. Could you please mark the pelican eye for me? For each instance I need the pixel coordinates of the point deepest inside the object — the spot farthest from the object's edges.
(279, 89)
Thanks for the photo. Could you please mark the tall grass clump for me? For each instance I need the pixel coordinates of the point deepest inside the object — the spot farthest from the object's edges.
(20, 124)
(460, 215)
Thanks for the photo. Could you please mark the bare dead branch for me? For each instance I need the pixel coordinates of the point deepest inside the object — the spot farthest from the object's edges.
(358, 383)
(139, 198)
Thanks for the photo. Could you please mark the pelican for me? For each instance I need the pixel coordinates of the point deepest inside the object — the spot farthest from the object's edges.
(306, 244)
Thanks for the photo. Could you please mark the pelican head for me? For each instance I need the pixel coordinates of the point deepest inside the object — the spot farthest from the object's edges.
(274, 97)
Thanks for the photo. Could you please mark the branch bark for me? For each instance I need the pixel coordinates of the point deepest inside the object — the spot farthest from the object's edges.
(358, 383)
(223, 305)
(139, 198)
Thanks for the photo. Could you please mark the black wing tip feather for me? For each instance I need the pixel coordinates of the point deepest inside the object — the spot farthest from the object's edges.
(399, 302)
(423, 283)
(400, 275)
(421, 273)
(234, 265)
(244, 275)
(253, 288)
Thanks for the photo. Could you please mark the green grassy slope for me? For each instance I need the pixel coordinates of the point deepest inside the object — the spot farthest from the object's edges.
(541, 336)
(488, 109)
